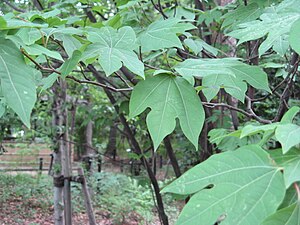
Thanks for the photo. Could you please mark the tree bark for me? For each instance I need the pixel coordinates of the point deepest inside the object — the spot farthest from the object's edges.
(111, 148)
(172, 156)
(61, 158)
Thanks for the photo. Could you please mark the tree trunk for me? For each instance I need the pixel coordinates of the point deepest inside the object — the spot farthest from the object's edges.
(111, 148)
(89, 155)
(172, 156)
(61, 158)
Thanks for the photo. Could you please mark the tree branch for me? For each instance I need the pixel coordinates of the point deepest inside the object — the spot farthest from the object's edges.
(287, 90)
(38, 5)
(98, 84)
(14, 7)
(250, 114)
(159, 8)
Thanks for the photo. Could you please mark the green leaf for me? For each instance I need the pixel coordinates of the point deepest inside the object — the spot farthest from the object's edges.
(181, 12)
(70, 43)
(14, 23)
(17, 81)
(2, 22)
(47, 82)
(290, 114)
(228, 73)
(235, 87)
(242, 14)
(29, 35)
(250, 129)
(206, 67)
(290, 162)
(246, 188)
(70, 64)
(2, 109)
(198, 45)
(36, 49)
(286, 216)
(114, 48)
(169, 98)
(288, 135)
(290, 197)
(163, 34)
(275, 22)
(295, 36)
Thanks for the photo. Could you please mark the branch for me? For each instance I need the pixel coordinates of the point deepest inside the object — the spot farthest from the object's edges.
(250, 114)
(98, 84)
(52, 70)
(14, 7)
(159, 9)
(123, 80)
(287, 90)
(45, 69)
(38, 5)
(297, 190)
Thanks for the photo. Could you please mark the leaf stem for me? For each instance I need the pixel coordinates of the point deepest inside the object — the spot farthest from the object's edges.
(297, 190)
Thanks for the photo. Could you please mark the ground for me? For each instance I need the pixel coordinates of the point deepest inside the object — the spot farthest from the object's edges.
(15, 212)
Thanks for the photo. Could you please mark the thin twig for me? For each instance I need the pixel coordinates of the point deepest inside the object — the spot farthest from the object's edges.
(14, 7)
(122, 79)
(151, 67)
(45, 69)
(248, 114)
(159, 9)
(52, 70)
(297, 190)
(287, 90)
(253, 114)
(98, 84)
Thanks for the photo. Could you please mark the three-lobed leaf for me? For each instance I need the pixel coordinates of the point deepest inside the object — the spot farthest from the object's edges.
(242, 14)
(275, 22)
(169, 97)
(228, 73)
(245, 187)
(163, 34)
(113, 49)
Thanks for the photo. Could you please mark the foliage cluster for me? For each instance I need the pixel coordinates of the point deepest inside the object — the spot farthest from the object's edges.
(191, 67)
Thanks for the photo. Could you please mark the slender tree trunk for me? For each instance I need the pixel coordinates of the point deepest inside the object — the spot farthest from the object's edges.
(111, 148)
(172, 156)
(57, 122)
(89, 153)
(61, 158)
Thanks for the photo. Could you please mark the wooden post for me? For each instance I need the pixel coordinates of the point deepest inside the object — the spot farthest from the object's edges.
(121, 165)
(87, 198)
(41, 167)
(99, 164)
